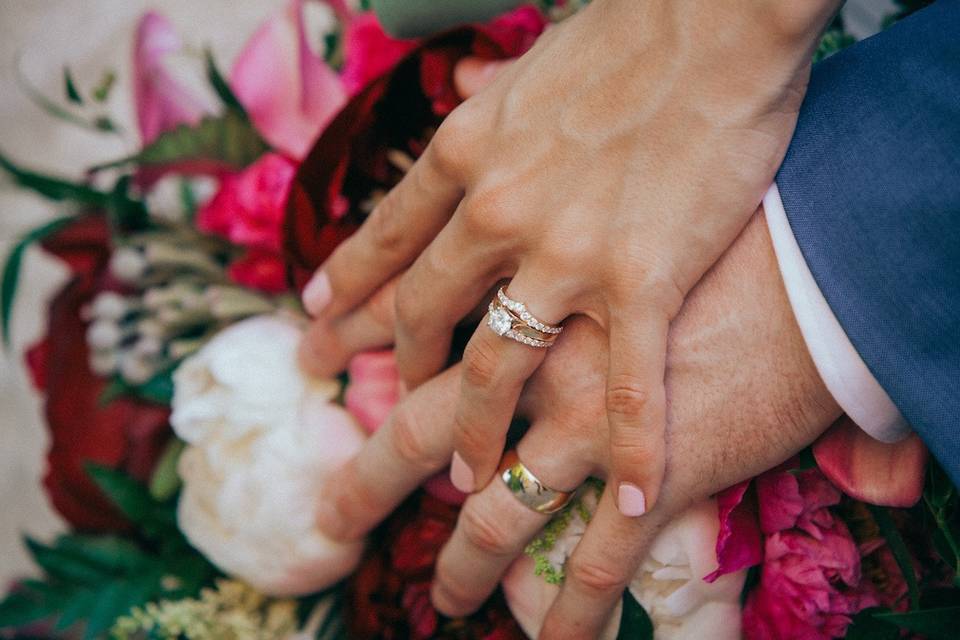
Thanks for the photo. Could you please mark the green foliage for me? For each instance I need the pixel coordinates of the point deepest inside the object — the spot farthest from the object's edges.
(941, 500)
(227, 139)
(222, 87)
(635, 624)
(91, 580)
(57, 189)
(935, 624)
(865, 626)
(70, 88)
(11, 270)
(900, 552)
(834, 39)
(101, 92)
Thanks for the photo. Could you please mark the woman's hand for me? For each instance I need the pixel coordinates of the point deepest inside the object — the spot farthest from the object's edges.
(602, 174)
(744, 396)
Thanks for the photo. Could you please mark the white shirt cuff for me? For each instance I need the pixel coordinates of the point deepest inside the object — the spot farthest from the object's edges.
(842, 369)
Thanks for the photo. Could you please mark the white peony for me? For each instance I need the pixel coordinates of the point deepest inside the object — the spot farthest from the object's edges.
(262, 436)
(669, 583)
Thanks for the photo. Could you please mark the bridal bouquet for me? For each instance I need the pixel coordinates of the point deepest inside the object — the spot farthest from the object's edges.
(188, 446)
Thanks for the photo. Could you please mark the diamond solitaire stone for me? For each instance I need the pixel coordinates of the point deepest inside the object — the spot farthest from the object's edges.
(500, 321)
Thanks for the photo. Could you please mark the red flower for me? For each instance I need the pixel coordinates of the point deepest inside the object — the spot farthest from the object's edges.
(389, 594)
(260, 269)
(125, 434)
(394, 112)
(369, 52)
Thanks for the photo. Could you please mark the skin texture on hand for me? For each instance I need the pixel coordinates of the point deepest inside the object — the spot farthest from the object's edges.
(602, 173)
(742, 396)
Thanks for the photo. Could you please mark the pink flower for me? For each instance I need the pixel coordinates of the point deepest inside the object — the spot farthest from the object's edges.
(811, 584)
(369, 52)
(289, 91)
(248, 208)
(161, 102)
(373, 391)
(374, 388)
(739, 544)
(888, 474)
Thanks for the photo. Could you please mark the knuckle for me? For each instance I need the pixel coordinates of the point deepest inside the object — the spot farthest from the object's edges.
(469, 440)
(407, 306)
(409, 438)
(486, 531)
(456, 597)
(385, 225)
(626, 398)
(480, 365)
(489, 213)
(595, 577)
(453, 139)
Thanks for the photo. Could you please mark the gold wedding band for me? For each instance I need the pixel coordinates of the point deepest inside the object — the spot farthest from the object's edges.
(510, 319)
(527, 489)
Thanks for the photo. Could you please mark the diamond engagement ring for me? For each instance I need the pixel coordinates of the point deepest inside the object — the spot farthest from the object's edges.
(510, 319)
(527, 489)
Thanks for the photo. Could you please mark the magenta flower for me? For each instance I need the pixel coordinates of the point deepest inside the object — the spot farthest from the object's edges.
(374, 388)
(162, 103)
(369, 52)
(811, 584)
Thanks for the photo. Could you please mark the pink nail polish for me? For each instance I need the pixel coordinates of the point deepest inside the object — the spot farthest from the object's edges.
(630, 500)
(460, 474)
(317, 293)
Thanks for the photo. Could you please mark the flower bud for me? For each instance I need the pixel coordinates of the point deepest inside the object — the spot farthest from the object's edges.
(110, 305)
(104, 334)
(103, 363)
(136, 369)
(128, 264)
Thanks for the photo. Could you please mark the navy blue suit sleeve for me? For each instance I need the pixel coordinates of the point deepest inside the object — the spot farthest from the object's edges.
(871, 186)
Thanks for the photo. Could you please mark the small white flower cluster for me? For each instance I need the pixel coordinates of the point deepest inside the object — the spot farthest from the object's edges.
(262, 438)
(178, 297)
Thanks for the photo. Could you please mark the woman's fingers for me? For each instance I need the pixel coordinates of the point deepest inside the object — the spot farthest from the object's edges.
(472, 74)
(415, 443)
(601, 567)
(404, 222)
(328, 345)
(494, 527)
(636, 410)
(447, 282)
(494, 370)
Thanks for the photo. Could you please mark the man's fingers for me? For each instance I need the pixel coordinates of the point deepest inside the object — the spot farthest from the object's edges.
(400, 227)
(415, 443)
(328, 345)
(601, 567)
(494, 527)
(636, 411)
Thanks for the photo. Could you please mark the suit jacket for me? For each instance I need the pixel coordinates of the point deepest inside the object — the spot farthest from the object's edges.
(871, 187)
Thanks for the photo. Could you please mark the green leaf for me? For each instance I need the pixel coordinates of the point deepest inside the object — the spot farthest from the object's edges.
(228, 139)
(165, 481)
(222, 88)
(865, 626)
(69, 88)
(55, 110)
(900, 552)
(76, 608)
(935, 624)
(20, 608)
(64, 565)
(635, 624)
(56, 189)
(102, 91)
(157, 389)
(112, 602)
(11, 270)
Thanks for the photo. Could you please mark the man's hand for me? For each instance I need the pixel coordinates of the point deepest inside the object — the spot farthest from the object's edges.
(743, 395)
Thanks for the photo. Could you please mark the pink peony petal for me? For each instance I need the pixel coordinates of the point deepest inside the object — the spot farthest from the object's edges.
(888, 474)
(374, 388)
(289, 91)
(161, 102)
(738, 542)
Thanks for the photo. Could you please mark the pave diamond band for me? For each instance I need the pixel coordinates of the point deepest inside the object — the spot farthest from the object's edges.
(509, 318)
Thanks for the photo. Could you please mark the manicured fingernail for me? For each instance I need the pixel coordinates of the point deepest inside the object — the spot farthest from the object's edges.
(460, 474)
(317, 293)
(630, 500)
(490, 69)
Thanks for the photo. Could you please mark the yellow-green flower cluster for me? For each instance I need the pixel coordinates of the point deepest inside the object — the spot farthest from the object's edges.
(231, 611)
